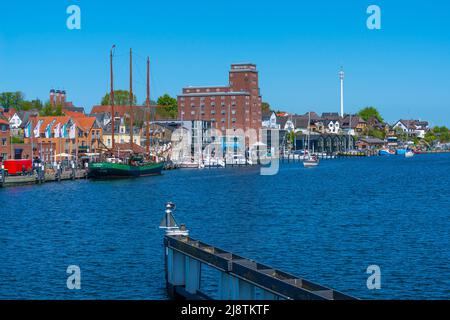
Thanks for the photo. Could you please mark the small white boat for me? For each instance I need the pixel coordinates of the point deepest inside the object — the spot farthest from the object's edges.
(189, 165)
(310, 163)
(308, 159)
(409, 154)
(237, 159)
(213, 162)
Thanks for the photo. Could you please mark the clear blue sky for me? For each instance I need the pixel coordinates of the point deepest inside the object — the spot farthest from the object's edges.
(298, 46)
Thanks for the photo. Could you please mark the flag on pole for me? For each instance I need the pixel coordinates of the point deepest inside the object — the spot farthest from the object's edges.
(57, 130)
(64, 131)
(27, 131)
(48, 129)
(37, 129)
(72, 131)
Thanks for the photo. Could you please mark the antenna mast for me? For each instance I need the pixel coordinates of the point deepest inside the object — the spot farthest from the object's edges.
(341, 77)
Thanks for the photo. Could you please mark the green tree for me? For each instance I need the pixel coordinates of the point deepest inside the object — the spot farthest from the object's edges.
(265, 107)
(49, 110)
(121, 98)
(368, 112)
(380, 134)
(31, 105)
(430, 137)
(439, 133)
(170, 106)
(11, 99)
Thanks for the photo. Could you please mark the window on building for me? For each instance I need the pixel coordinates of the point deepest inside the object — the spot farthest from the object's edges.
(222, 112)
(4, 141)
(233, 111)
(192, 112)
(213, 111)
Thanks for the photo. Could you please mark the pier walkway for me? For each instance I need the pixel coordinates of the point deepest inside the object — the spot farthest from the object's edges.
(37, 178)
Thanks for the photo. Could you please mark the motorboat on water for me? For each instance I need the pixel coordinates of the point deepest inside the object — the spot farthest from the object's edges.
(312, 161)
(386, 152)
(409, 154)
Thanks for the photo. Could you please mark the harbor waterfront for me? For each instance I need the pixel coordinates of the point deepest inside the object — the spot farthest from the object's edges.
(326, 224)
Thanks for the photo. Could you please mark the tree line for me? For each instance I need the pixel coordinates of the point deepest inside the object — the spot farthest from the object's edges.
(16, 100)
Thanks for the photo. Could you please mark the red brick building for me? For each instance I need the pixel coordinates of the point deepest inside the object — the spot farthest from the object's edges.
(236, 106)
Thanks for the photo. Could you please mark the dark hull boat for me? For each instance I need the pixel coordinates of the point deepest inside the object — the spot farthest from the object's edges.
(107, 170)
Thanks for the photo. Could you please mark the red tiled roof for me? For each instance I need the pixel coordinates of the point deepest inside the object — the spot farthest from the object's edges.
(3, 121)
(85, 123)
(47, 120)
(126, 147)
(10, 113)
(120, 110)
(73, 114)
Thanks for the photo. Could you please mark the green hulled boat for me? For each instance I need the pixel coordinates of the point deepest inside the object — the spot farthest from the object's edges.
(109, 170)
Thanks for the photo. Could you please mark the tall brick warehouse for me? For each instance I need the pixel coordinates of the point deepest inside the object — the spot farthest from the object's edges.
(236, 106)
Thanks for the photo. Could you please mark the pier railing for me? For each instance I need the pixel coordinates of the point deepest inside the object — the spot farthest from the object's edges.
(239, 278)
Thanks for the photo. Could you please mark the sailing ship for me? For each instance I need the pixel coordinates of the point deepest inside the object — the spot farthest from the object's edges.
(103, 170)
(308, 159)
(133, 165)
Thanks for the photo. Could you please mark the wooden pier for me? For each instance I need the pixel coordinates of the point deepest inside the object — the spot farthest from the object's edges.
(240, 278)
(37, 178)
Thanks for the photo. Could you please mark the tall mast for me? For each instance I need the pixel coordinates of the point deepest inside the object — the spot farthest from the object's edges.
(111, 96)
(341, 78)
(148, 108)
(309, 130)
(131, 99)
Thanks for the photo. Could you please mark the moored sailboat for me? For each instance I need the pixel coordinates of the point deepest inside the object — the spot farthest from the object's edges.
(308, 159)
(134, 164)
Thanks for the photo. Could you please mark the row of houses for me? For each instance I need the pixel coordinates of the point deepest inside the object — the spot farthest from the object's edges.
(50, 137)
(333, 123)
(26, 134)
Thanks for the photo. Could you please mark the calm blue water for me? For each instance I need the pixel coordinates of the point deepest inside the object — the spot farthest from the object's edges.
(327, 224)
